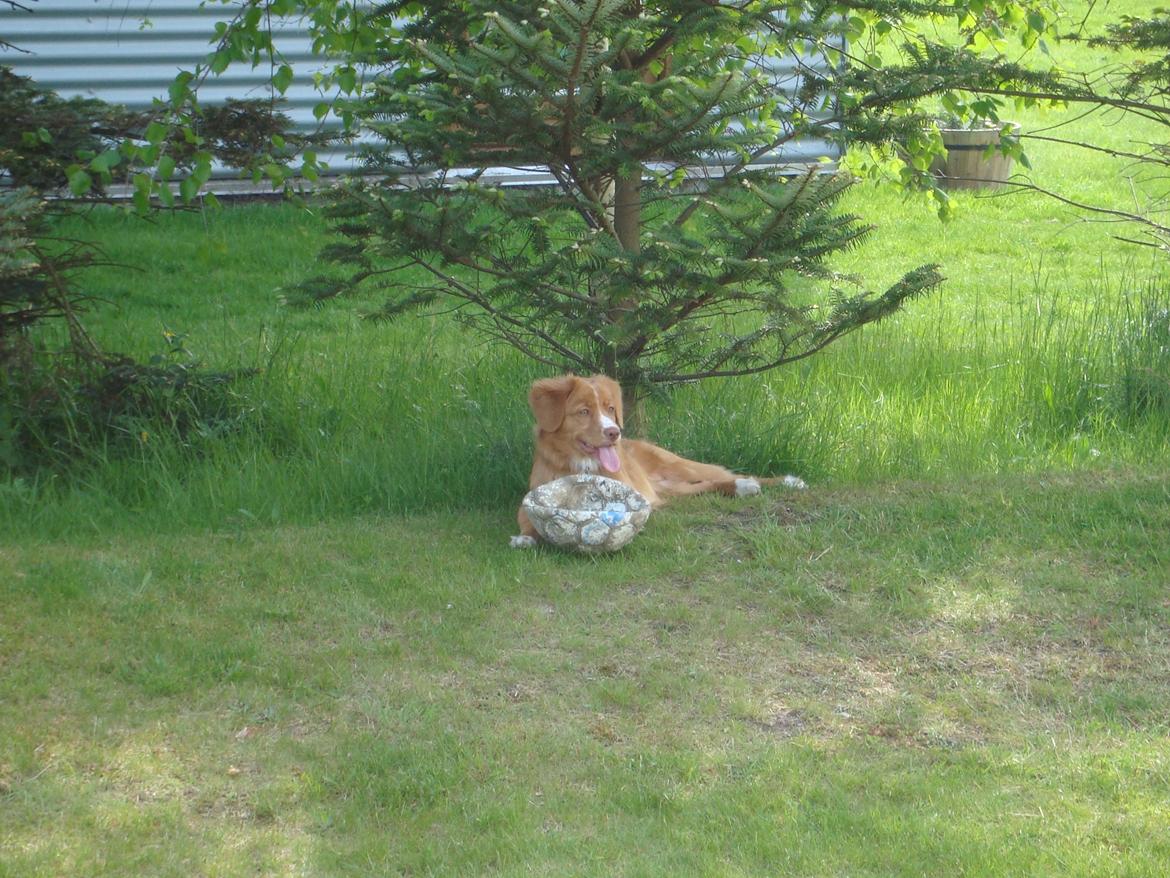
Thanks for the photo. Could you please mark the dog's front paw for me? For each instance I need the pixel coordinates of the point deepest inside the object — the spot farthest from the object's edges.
(746, 487)
(794, 482)
(523, 541)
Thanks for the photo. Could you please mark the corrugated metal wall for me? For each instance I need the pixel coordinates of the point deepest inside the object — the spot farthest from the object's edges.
(128, 51)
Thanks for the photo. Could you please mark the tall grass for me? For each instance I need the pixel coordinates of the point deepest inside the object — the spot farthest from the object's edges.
(1055, 378)
(328, 429)
(1047, 347)
(344, 416)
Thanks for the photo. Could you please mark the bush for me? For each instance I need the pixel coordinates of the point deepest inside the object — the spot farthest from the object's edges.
(43, 133)
(56, 411)
(60, 400)
(61, 397)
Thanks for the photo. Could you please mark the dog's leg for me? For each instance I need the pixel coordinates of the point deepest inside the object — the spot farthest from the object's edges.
(733, 486)
(527, 538)
(794, 482)
(747, 487)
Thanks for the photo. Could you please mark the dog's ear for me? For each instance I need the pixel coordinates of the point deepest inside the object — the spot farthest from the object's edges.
(610, 391)
(547, 398)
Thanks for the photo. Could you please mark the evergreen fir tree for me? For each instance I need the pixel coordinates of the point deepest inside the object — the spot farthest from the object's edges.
(671, 248)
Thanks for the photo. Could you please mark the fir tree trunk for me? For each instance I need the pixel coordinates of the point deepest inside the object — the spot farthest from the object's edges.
(627, 211)
(634, 413)
(627, 222)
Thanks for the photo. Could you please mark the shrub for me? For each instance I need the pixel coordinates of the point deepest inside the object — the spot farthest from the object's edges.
(43, 133)
(59, 400)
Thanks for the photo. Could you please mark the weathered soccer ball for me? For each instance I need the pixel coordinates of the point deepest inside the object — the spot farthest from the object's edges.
(586, 513)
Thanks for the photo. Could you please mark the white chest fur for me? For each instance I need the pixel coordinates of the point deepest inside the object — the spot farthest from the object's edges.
(586, 464)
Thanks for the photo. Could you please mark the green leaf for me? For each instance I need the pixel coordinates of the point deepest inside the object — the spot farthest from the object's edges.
(80, 182)
(180, 87)
(141, 156)
(156, 132)
(166, 167)
(220, 62)
(283, 78)
(109, 159)
(201, 171)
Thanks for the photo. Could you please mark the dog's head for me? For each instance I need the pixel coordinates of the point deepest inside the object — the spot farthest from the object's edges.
(581, 418)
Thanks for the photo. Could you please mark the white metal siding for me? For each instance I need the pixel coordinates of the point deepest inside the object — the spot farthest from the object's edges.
(128, 51)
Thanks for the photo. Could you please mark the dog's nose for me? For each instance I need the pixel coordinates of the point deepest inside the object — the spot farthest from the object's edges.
(613, 434)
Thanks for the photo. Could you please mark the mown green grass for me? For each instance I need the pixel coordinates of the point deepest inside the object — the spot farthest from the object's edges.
(903, 680)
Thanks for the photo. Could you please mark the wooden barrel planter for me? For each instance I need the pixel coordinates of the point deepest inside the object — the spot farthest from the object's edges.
(968, 165)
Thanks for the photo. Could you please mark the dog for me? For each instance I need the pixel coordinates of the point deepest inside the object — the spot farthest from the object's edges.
(579, 430)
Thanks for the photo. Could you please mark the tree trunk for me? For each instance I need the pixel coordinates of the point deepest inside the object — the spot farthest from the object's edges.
(627, 224)
(627, 211)
(634, 413)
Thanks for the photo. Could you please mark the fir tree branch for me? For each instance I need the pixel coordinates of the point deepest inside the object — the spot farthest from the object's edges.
(600, 215)
(1156, 112)
(1118, 215)
(1151, 157)
(508, 274)
(782, 360)
(471, 295)
(567, 187)
(728, 178)
(702, 111)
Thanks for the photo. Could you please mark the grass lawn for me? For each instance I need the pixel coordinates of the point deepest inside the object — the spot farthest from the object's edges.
(909, 679)
(298, 643)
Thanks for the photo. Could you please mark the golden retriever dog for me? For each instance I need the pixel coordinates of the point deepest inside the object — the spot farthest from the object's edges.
(579, 430)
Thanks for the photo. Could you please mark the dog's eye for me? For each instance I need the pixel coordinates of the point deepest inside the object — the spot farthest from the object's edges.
(612, 409)
(583, 412)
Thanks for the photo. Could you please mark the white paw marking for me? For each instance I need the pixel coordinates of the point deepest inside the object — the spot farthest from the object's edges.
(746, 487)
(523, 541)
(794, 482)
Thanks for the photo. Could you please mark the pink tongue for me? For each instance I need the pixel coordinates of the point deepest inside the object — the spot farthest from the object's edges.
(607, 454)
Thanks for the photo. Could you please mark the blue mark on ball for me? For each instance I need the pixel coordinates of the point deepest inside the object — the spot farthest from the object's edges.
(614, 514)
